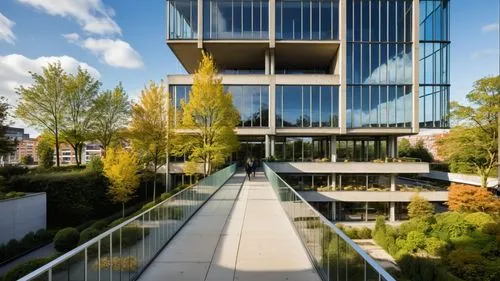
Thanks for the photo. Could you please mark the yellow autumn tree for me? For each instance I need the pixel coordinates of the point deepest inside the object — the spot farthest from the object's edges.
(149, 129)
(121, 168)
(208, 122)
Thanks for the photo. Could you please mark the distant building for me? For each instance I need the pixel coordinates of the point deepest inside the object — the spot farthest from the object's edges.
(67, 154)
(13, 134)
(28, 147)
(429, 137)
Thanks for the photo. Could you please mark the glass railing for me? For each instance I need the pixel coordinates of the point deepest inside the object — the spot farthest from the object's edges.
(123, 252)
(335, 255)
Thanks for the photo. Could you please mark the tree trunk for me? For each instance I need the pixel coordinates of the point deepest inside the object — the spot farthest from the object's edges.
(484, 180)
(75, 149)
(154, 184)
(57, 148)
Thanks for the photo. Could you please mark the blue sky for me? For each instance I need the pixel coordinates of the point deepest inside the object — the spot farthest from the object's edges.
(124, 40)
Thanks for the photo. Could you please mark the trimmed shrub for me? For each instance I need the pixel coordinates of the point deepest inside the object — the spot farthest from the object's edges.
(22, 269)
(364, 233)
(491, 228)
(479, 219)
(451, 225)
(95, 165)
(165, 196)
(66, 239)
(424, 269)
(413, 242)
(100, 224)
(88, 234)
(9, 171)
(419, 207)
(420, 224)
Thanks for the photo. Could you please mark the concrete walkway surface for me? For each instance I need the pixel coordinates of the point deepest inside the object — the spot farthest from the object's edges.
(241, 233)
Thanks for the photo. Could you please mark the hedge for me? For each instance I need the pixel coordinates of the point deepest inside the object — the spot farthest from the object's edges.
(30, 241)
(22, 269)
(66, 239)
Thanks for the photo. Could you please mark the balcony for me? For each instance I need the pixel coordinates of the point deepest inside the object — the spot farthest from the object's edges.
(349, 167)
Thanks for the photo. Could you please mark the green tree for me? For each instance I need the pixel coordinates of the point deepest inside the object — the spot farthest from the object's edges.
(419, 207)
(111, 109)
(405, 149)
(210, 117)
(150, 129)
(45, 151)
(27, 160)
(41, 104)
(474, 138)
(81, 91)
(121, 168)
(6, 145)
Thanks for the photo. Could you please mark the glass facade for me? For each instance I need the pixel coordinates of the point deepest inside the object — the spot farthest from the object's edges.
(434, 63)
(253, 104)
(251, 101)
(379, 63)
(307, 20)
(183, 19)
(307, 106)
(361, 150)
(236, 19)
(302, 149)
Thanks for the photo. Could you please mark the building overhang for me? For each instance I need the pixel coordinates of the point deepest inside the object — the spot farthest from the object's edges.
(374, 196)
(348, 167)
(297, 54)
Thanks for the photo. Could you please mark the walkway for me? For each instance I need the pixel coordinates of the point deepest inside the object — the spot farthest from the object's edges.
(242, 234)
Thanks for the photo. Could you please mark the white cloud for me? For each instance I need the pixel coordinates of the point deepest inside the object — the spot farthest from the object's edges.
(114, 52)
(6, 33)
(14, 71)
(491, 27)
(401, 63)
(92, 15)
(485, 53)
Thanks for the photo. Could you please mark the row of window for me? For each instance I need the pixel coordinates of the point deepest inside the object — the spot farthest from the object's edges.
(379, 20)
(307, 106)
(318, 106)
(379, 106)
(379, 64)
(249, 19)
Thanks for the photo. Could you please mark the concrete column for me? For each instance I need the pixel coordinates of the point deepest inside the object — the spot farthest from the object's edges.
(342, 55)
(200, 24)
(393, 182)
(272, 23)
(272, 104)
(272, 146)
(392, 143)
(334, 211)
(333, 148)
(267, 147)
(334, 181)
(266, 62)
(272, 61)
(392, 212)
(415, 64)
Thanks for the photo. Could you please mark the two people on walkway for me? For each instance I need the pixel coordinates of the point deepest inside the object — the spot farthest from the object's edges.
(250, 167)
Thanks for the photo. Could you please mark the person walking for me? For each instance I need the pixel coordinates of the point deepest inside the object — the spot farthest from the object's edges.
(254, 166)
(248, 168)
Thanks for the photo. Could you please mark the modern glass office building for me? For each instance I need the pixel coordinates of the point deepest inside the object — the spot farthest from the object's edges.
(324, 86)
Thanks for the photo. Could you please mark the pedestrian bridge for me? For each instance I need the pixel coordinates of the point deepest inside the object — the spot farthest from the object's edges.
(226, 227)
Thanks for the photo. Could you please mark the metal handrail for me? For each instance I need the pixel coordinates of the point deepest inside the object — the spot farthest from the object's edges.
(380, 270)
(48, 267)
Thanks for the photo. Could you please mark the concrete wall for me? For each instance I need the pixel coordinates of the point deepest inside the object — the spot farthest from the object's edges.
(349, 167)
(21, 215)
(459, 178)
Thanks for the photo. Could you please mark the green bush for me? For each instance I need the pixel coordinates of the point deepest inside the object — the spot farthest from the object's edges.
(435, 246)
(100, 224)
(29, 242)
(413, 242)
(451, 225)
(165, 196)
(479, 219)
(468, 265)
(420, 224)
(175, 213)
(419, 207)
(88, 234)
(364, 233)
(423, 269)
(9, 171)
(95, 165)
(66, 239)
(491, 228)
(22, 269)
